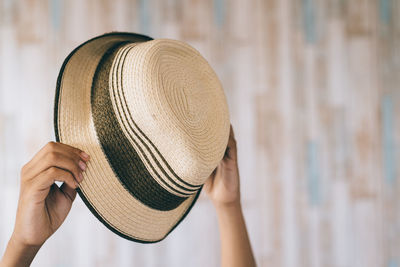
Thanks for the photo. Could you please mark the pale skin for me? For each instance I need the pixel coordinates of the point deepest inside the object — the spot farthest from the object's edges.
(43, 206)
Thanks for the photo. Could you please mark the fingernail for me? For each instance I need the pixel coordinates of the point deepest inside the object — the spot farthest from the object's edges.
(85, 155)
(82, 165)
(80, 177)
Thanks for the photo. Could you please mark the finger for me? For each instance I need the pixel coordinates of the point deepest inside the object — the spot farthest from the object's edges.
(55, 147)
(212, 175)
(231, 149)
(62, 160)
(48, 177)
(231, 133)
(68, 191)
(73, 150)
(231, 140)
(210, 181)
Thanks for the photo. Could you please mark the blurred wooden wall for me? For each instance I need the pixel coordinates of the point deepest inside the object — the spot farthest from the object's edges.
(313, 90)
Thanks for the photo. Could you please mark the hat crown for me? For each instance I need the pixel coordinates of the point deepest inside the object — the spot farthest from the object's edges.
(177, 101)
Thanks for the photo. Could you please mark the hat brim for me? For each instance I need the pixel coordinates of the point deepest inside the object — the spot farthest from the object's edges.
(101, 190)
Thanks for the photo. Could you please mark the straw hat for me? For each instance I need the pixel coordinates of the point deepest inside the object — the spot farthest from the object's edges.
(154, 118)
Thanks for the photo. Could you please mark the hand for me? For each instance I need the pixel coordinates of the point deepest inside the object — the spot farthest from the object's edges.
(223, 184)
(224, 190)
(42, 205)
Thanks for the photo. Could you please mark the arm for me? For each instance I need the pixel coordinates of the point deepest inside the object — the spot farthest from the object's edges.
(42, 205)
(224, 190)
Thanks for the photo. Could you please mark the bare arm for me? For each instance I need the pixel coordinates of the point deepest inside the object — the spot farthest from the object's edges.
(42, 205)
(223, 188)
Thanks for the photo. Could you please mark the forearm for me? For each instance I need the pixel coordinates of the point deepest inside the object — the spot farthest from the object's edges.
(17, 254)
(235, 244)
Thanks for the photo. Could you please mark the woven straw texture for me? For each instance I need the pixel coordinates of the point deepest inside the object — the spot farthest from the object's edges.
(171, 109)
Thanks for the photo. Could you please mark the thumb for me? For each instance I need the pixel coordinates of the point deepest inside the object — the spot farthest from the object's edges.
(210, 181)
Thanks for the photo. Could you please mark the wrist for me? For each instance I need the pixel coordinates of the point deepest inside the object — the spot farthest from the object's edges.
(223, 208)
(24, 244)
(18, 253)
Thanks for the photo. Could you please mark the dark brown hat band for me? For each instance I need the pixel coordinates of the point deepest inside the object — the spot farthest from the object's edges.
(122, 157)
